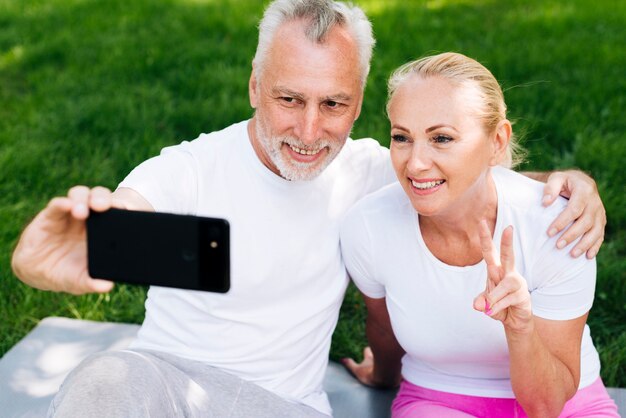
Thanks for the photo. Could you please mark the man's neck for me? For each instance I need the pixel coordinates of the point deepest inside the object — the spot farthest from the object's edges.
(258, 149)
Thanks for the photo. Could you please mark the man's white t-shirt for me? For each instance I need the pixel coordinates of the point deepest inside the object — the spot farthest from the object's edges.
(288, 279)
(449, 346)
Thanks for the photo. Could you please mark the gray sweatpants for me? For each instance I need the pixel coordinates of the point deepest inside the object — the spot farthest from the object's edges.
(133, 383)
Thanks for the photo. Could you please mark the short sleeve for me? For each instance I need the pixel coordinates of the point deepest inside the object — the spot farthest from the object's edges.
(356, 250)
(168, 181)
(563, 286)
(381, 169)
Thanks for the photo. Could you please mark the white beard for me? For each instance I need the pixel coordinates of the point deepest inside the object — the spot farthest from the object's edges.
(289, 168)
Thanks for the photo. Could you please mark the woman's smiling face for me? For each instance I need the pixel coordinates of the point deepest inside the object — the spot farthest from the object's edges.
(439, 148)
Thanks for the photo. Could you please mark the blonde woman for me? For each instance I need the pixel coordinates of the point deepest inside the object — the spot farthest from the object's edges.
(468, 330)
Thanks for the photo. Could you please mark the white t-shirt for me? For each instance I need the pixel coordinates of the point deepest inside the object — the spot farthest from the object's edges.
(449, 346)
(288, 279)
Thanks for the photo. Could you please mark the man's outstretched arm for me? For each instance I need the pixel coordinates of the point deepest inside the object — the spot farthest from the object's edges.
(52, 251)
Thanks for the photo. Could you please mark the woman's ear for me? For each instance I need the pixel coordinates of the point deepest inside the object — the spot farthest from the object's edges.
(501, 139)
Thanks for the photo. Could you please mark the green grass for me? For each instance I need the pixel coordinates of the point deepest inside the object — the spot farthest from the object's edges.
(88, 89)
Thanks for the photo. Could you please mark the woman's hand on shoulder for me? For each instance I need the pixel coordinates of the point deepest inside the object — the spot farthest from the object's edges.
(506, 296)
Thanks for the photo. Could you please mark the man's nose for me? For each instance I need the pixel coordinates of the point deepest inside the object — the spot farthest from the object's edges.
(310, 126)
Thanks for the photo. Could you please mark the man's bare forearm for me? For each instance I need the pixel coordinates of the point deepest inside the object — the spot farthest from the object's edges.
(541, 176)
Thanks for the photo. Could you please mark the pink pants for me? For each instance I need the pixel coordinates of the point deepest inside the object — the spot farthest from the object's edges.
(415, 401)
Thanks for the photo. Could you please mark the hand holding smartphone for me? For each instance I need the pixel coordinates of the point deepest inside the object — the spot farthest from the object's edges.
(159, 249)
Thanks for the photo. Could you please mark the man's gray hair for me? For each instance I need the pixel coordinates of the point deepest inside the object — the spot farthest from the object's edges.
(321, 16)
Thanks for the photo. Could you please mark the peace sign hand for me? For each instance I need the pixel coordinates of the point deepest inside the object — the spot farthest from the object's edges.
(506, 296)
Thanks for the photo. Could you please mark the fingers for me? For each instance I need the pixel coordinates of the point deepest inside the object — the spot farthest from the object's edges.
(101, 286)
(77, 203)
(97, 286)
(571, 184)
(590, 225)
(511, 291)
(579, 227)
(589, 243)
(83, 199)
(350, 364)
(503, 278)
(553, 187)
(585, 212)
(77, 280)
(480, 302)
(590, 228)
(517, 302)
(88, 285)
(100, 199)
(490, 254)
(571, 213)
(82, 284)
(57, 209)
(368, 354)
(486, 244)
(507, 255)
(576, 230)
(595, 247)
(362, 371)
(358, 370)
(79, 196)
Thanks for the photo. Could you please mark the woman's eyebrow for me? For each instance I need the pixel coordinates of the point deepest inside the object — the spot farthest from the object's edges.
(441, 125)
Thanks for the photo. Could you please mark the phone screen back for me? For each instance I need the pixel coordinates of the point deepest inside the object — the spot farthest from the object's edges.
(159, 249)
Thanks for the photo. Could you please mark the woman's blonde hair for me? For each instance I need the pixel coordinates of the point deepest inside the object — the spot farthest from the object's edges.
(461, 69)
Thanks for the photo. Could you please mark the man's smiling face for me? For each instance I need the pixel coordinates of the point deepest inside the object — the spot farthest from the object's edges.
(306, 100)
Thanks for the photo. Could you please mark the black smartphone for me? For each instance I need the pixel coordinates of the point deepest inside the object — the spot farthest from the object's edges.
(160, 249)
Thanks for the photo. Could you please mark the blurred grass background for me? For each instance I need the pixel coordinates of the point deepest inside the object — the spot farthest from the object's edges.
(90, 88)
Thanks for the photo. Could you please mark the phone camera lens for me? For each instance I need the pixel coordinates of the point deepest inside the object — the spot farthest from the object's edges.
(188, 255)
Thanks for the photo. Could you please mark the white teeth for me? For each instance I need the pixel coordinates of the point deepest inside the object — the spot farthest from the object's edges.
(426, 185)
(304, 151)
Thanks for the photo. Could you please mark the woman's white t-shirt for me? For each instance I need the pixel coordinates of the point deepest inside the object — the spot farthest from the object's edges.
(449, 346)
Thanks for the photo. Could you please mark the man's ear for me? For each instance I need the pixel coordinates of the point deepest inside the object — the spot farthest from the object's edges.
(252, 88)
(501, 139)
(359, 105)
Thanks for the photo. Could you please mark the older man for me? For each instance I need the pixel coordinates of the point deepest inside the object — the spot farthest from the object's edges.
(283, 179)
